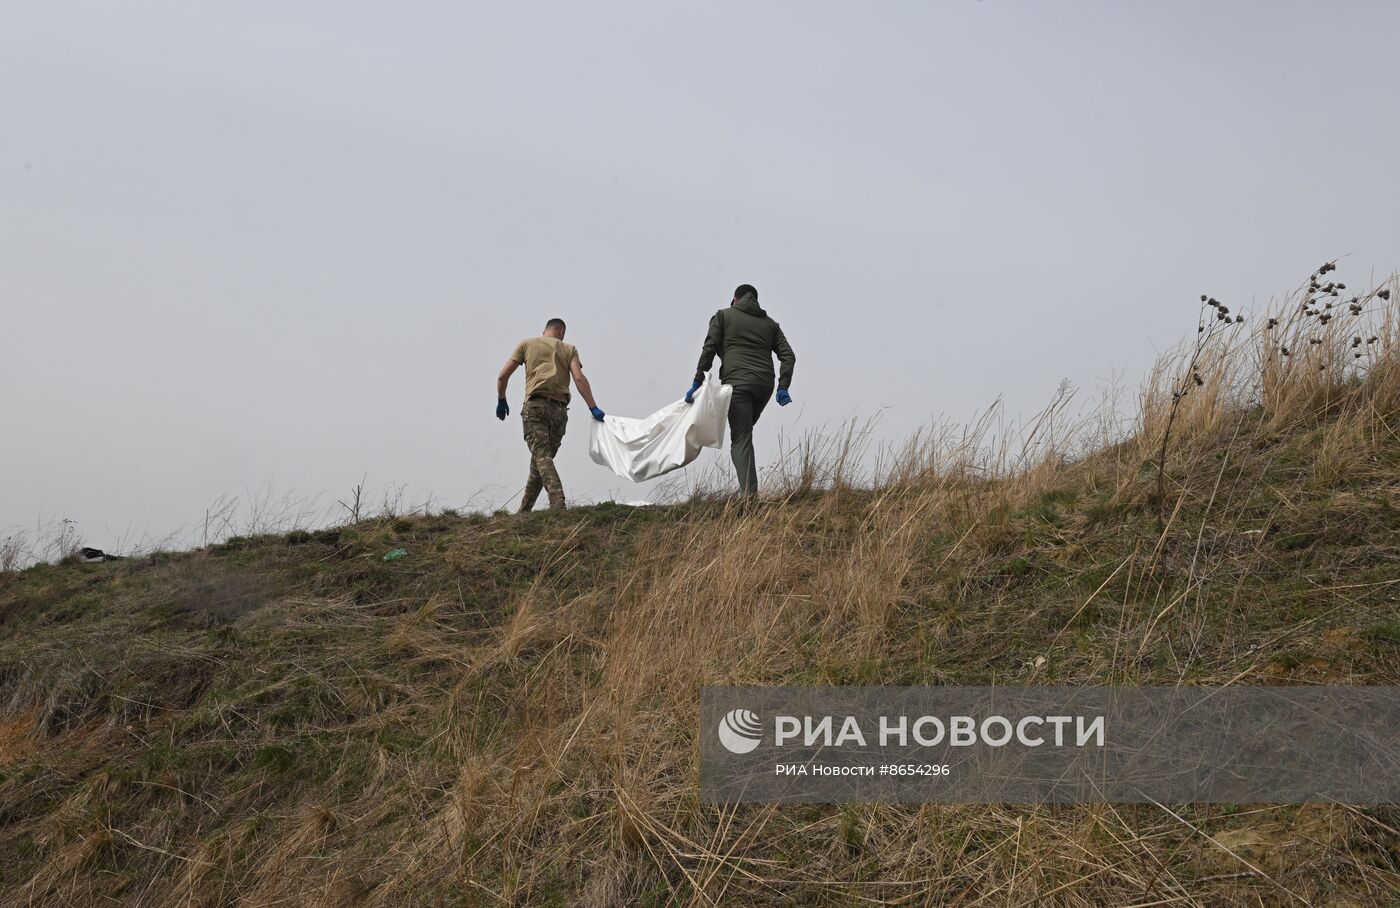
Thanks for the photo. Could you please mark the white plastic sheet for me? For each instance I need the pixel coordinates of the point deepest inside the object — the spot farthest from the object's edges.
(670, 438)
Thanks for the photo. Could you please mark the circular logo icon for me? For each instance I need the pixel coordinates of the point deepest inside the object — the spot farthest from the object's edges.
(740, 731)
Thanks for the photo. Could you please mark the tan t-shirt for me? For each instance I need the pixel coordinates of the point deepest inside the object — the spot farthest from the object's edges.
(546, 361)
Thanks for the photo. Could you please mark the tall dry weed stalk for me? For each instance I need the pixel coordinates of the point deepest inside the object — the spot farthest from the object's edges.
(1214, 320)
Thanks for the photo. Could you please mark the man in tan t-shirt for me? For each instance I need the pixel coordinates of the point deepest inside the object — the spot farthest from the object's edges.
(549, 364)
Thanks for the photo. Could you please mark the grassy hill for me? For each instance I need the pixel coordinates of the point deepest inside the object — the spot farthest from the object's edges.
(507, 715)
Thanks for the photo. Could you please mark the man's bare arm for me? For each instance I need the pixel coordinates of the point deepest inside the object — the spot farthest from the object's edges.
(581, 382)
(504, 378)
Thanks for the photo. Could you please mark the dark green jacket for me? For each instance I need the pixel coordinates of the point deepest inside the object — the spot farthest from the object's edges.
(745, 339)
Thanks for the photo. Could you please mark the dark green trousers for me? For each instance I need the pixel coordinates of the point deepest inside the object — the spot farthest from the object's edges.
(745, 406)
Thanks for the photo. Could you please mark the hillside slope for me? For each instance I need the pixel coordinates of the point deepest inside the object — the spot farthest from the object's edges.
(507, 714)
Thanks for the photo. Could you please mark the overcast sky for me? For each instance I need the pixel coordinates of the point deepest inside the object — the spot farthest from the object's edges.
(287, 245)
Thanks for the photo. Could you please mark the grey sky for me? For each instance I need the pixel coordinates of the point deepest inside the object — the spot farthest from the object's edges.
(250, 243)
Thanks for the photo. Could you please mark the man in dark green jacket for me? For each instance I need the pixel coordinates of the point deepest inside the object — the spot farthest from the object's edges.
(746, 339)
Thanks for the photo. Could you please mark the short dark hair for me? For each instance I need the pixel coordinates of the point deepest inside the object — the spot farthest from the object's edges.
(555, 323)
(744, 290)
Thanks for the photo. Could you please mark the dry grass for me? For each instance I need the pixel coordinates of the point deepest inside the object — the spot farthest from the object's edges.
(507, 715)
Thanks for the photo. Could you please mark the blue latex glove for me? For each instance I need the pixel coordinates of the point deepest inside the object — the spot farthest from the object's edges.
(597, 414)
(690, 395)
(784, 398)
(502, 409)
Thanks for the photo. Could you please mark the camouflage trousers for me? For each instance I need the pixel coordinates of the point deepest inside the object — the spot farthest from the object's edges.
(544, 421)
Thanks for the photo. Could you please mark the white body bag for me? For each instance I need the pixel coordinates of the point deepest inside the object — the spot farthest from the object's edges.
(668, 439)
